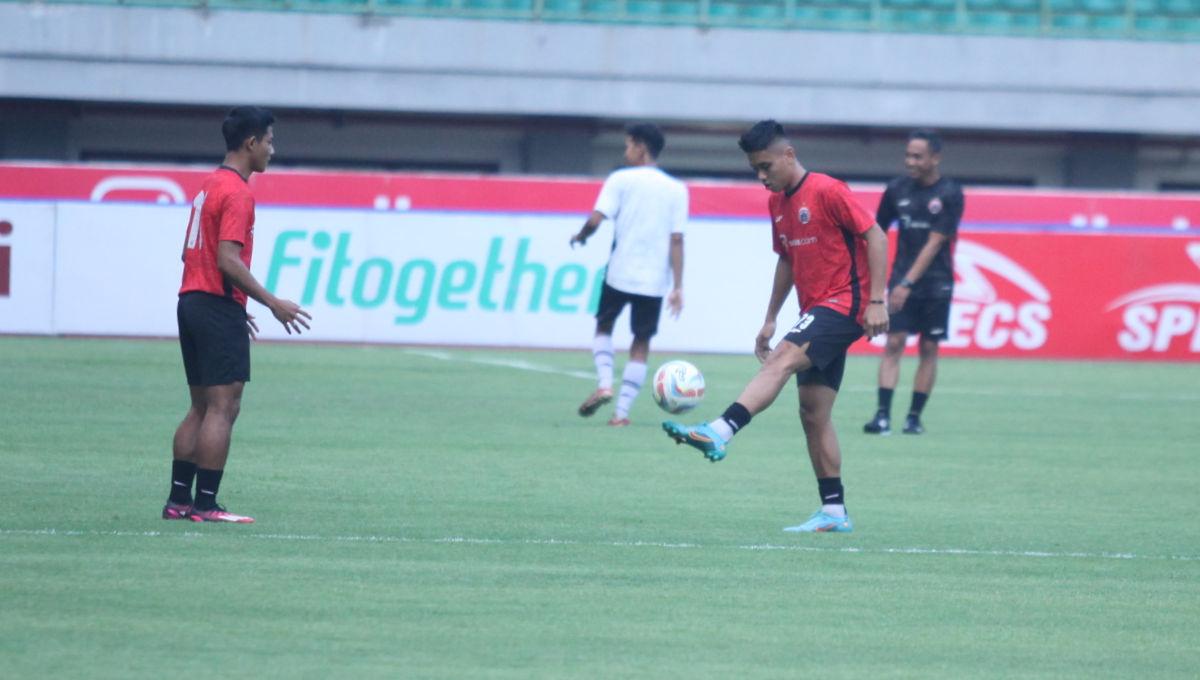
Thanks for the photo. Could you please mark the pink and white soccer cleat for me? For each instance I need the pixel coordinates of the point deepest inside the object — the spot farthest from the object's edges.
(219, 514)
(176, 510)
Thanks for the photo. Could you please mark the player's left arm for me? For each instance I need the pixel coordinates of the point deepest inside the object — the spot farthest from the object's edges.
(875, 319)
(924, 258)
(675, 298)
(942, 229)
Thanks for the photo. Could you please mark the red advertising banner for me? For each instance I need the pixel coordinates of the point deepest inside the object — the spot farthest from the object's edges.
(1039, 274)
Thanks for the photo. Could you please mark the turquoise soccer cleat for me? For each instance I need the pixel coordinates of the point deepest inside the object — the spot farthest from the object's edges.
(697, 436)
(822, 523)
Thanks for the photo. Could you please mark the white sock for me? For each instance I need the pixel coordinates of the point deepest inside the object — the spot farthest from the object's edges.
(602, 354)
(722, 428)
(631, 384)
(834, 510)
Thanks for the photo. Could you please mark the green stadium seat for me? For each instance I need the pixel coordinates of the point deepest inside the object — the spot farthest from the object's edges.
(562, 8)
(722, 12)
(846, 16)
(1152, 25)
(1105, 6)
(416, 6)
(990, 21)
(761, 11)
(602, 9)
(1070, 21)
(681, 9)
(645, 10)
(1187, 27)
(1179, 7)
(522, 8)
(1111, 24)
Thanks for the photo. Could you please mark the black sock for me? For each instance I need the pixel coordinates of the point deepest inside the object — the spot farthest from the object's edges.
(182, 474)
(885, 400)
(737, 416)
(831, 491)
(208, 482)
(918, 403)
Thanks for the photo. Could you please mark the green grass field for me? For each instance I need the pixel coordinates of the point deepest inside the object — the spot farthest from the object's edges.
(444, 513)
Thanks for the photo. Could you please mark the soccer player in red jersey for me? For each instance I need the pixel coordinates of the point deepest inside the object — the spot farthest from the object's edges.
(214, 328)
(835, 255)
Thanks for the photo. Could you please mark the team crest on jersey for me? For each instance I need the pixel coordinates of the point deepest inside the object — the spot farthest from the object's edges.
(935, 205)
(804, 215)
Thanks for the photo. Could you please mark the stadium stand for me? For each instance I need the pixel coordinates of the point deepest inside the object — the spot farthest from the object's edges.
(1127, 19)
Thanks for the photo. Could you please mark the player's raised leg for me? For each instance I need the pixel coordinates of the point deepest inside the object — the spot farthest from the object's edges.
(224, 402)
(889, 376)
(816, 411)
(711, 438)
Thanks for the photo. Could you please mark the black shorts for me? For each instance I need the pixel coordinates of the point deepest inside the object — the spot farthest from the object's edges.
(928, 316)
(646, 310)
(214, 339)
(828, 334)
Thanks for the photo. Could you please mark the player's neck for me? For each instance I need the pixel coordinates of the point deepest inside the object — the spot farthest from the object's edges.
(797, 180)
(930, 180)
(238, 164)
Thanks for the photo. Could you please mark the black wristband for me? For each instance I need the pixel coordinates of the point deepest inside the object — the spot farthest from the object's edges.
(877, 302)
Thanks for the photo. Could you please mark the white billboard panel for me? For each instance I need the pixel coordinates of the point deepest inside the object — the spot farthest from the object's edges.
(418, 277)
(26, 267)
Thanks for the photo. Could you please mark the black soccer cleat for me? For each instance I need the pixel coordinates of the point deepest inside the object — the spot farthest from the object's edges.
(912, 425)
(881, 424)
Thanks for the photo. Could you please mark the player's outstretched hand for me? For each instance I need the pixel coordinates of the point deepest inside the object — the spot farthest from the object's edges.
(762, 344)
(875, 321)
(291, 316)
(251, 327)
(580, 239)
(675, 302)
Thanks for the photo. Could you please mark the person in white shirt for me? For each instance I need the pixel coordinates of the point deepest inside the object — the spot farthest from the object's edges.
(648, 209)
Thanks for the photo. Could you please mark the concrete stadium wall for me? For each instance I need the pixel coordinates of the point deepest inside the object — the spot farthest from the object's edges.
(314, 61)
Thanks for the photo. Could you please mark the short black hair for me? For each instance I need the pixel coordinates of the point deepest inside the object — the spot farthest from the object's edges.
(761, 135)
(245, 122)
(931, 137)
(648, 134)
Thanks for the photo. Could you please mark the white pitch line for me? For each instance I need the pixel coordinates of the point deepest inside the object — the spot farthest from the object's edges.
(522, 365)
(517, 364)
(467, 540)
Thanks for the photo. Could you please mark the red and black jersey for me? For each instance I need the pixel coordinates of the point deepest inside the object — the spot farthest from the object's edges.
(222, 211)
(918, 211)
(817, 226)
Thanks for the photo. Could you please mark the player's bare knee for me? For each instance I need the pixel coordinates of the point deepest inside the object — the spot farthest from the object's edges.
(813, 417)
(929, 350)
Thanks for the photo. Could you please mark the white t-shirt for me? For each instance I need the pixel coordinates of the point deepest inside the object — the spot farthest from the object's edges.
(646, 206)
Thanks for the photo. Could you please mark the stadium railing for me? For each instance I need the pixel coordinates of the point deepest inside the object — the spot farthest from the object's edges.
(1125, 19)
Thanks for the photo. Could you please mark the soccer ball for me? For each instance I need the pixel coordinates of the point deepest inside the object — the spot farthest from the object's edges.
(678, 386)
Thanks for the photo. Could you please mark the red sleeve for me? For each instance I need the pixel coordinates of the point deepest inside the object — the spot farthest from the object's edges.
(845, 210)
(237, 217)
(776, 243)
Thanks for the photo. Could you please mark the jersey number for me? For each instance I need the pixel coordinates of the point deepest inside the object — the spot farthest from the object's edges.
(804, 322)
(194, 239)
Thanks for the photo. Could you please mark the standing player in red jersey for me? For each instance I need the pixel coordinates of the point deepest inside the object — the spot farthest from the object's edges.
(214, 328)
(830, 248)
